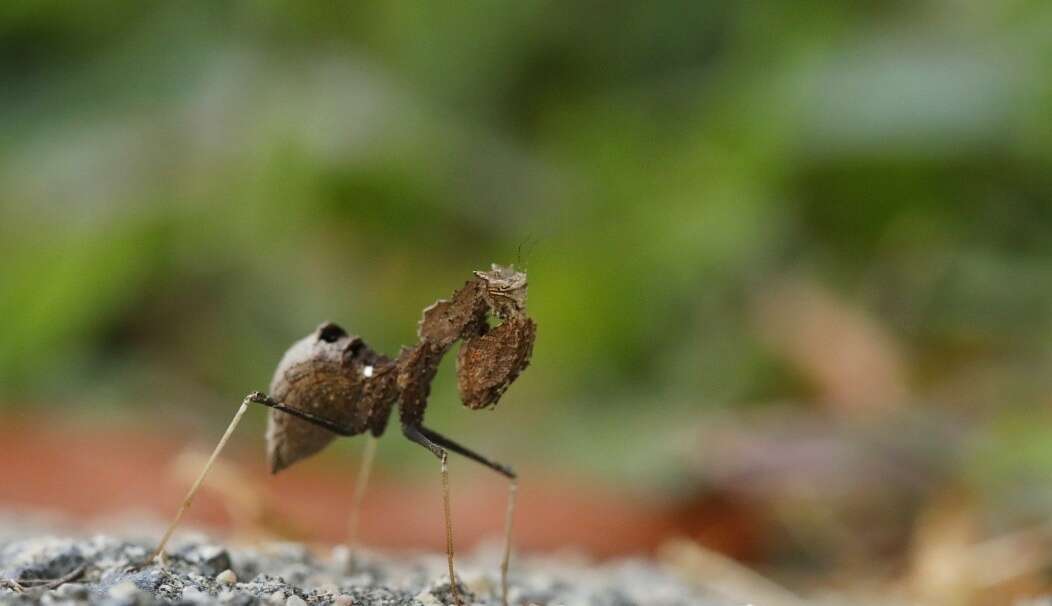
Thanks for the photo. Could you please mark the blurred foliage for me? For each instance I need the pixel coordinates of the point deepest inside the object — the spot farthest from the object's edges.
(187, 188)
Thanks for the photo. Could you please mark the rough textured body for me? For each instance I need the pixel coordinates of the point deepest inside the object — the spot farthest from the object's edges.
(336, 376)
(332, 375)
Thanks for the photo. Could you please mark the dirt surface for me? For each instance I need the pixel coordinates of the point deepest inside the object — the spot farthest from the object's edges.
(101, 570)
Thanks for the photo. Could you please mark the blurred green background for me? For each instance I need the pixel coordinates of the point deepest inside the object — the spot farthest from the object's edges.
(835, 211)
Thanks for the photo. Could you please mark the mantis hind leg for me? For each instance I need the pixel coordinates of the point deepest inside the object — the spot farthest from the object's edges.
(158, 553)
(414, 433)
(360, 484)
(252, 398)
(436, 440)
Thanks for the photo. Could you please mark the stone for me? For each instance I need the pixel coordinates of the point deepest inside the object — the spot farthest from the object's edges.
(124, 592)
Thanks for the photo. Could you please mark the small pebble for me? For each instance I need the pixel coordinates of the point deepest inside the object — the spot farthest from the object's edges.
(341, 554)
(193, 594)
(135, 552)
(343, 600)
(295, 600)
(480, 585)
(214, 558)
(123, 591)
(72, 591)
(427, 599)
(227, 577)
(277, 598)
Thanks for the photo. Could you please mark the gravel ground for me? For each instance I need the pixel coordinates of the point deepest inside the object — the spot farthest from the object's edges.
(99, 571)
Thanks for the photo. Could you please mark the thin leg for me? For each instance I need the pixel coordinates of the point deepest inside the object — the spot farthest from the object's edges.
(262, 398)
(504, 470)
(360, 484)
(414, 433)
(158, 554)
(509, 516)
(449, 528)
(252, 398)
(70, 576)
(445, 442)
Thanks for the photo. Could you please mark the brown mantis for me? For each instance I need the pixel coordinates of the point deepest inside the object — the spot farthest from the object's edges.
(332, 384)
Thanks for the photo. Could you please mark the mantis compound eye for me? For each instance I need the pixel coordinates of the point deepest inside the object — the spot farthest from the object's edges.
(488, 363)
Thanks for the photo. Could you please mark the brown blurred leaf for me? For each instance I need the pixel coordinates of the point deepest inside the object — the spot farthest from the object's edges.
(942, 569)
(854, 363)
